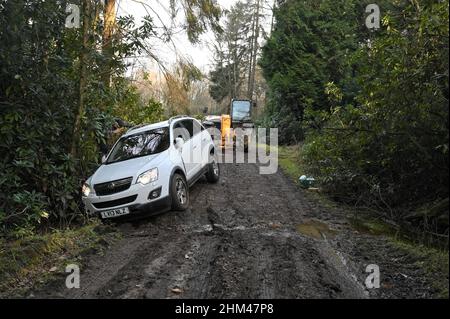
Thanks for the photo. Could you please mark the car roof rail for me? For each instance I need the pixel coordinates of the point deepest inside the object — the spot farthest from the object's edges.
(176, 117)
(137, 126)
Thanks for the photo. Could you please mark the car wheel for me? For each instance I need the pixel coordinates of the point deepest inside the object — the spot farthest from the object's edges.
(213, 173)
(179, 193)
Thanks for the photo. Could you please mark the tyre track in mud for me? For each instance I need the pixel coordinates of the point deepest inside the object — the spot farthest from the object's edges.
(238, 239)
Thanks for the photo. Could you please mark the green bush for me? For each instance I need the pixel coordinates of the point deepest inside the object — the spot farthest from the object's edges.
(308, 48)
(39, 94)
(132, 109)
(390, 149)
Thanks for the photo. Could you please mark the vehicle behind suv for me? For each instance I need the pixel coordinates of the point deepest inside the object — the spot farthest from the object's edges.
(150, 169)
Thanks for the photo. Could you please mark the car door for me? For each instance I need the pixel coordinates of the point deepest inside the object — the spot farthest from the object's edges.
(195, 157)
(202, 140)
(180, 130)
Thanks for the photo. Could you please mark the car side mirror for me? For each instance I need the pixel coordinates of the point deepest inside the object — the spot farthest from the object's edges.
(179, 142)
(104, 158)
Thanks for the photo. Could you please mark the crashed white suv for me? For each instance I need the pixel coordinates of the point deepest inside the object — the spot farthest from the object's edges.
(150, 169)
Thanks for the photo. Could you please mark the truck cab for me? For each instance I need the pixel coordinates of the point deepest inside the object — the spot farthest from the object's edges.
(241, 118)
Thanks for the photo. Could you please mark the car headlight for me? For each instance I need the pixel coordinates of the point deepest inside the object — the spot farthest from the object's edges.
(148, 176)
(85, 190)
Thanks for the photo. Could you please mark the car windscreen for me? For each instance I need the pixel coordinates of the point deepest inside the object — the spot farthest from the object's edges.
(141, 144)
(241, 110)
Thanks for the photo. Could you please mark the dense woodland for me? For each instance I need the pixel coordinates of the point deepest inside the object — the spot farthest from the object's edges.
(369, 107)
(61, 91)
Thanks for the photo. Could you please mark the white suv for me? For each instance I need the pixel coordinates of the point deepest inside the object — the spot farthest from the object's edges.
(150, 169)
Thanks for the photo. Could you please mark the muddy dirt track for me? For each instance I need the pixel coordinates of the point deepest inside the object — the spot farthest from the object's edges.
(248, 236)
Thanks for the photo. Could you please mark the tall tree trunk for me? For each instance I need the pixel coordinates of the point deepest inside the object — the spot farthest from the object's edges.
(273, 16)
(235, 70)
(250, 62)
(108, 31)
(86, 11)
(254, 53)
(230, 75)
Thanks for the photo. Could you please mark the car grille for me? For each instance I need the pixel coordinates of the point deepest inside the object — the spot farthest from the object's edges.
(113, 186)
(114, 203)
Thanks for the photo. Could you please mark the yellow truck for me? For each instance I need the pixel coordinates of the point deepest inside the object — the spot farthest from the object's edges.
(239, 117)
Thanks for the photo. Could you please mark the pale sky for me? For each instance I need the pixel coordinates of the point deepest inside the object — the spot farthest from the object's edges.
(200, 54)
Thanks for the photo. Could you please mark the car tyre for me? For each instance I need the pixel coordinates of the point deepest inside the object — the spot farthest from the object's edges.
(213, 173)
(179, 193)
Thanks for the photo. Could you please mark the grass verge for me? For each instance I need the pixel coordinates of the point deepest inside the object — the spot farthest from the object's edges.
(35, 258)
(432, 260)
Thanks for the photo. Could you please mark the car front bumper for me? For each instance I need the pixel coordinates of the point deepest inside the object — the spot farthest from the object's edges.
(136, 199)
(155, 207)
